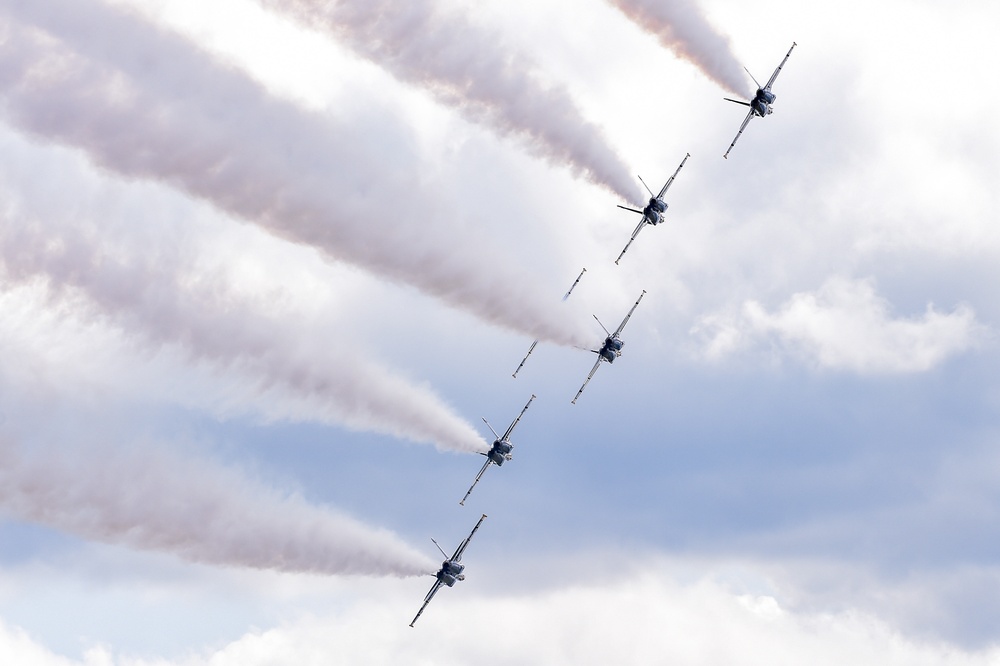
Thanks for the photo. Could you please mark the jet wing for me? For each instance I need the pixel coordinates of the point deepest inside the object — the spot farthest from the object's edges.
(635, 233)
(575, 282)
(625, 320)
(740, 133)
(457, 557)
(671, 179)
(525, 359)
(589, 377)
(775, 75)
(478, 476)
(430, 595)
(510, 428)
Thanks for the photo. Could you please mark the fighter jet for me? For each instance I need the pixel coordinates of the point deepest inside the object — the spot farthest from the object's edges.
(612, 347)
(760, 105)
(654, 210)
(500, 452)
(533, 344)
(451, 569)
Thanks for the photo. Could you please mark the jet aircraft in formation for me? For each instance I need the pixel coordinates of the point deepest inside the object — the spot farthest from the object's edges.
(654, 210)
(612, 347)
(451, 570)
(500, 452)
(760, 105)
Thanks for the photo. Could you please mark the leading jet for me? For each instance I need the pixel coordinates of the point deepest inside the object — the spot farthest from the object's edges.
(654, 210)
(500, 452)
(760, 105)
(612, 347)
(451, 569)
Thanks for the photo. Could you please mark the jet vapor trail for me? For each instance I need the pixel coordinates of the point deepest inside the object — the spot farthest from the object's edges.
(682, 28)
(150, 499)
(466, 68)
(144, 103)
(149, 286)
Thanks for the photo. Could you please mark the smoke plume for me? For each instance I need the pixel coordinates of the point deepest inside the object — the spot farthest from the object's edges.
(682, 28)
(467, 68)
(149, 499)
(147, 283)
(143, 103)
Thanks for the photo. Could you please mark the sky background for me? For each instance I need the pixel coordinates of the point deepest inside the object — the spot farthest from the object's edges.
(259, 281)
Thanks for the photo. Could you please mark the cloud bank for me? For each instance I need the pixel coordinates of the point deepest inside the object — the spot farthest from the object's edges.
(846, 325)
(646, 618)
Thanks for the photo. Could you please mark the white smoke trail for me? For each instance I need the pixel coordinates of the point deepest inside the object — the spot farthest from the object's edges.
(682, 28)
(151, 287)
(148, 499)
(144, 103)
(467, 68)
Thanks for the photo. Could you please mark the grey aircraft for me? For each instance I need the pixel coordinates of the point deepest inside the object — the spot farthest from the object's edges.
(451, 569)
(654, 210)
(760, 105)
(612, 347)
(533, 344)
(500, 452)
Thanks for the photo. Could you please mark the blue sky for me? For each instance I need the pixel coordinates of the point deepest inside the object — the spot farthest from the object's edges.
(256, 300)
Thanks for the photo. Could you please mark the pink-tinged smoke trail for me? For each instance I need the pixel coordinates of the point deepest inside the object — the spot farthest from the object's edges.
(144, 103)
(468, 68)
(681, 27)
(147, 283)
(149, 499)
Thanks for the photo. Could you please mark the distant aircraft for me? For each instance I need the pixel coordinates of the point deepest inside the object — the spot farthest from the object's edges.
(654, 210)
(612, 347)
(532, 347)
(500, 452)
(451, 569)
(760, 105)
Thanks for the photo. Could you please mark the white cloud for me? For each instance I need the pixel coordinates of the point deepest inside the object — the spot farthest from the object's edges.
(637, 619)
(845, 325)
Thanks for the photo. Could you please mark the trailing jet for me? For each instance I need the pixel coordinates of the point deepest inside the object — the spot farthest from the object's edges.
(500, 452)
(760, 105)
(612, 347)
(451, 569)
(654, 210)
